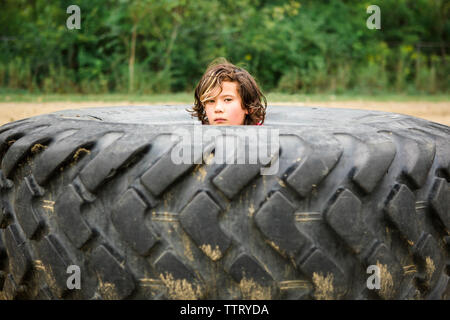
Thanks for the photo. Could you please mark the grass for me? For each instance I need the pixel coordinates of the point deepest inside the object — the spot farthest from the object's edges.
(114, 97)
(187, 98)
(275, 97)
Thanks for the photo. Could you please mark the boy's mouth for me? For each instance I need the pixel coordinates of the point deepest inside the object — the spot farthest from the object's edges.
(220, 120)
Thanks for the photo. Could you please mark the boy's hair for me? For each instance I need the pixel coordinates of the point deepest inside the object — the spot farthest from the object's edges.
(219, 71)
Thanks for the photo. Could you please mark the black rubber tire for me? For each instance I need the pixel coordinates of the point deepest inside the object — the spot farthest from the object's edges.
(96, 188)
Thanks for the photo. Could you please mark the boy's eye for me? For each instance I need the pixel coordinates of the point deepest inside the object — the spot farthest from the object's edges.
(228, 99)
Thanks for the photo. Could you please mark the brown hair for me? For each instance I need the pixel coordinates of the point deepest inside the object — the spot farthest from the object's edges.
(221, 70)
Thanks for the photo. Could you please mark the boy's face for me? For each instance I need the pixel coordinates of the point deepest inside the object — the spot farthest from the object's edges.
(226, 108)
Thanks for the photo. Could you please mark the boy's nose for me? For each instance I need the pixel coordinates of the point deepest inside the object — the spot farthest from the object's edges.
(219, 107)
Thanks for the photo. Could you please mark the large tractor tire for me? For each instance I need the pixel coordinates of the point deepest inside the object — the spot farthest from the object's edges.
(359, 208)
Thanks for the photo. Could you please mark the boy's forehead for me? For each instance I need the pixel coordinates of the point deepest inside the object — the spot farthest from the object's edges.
(226, 88)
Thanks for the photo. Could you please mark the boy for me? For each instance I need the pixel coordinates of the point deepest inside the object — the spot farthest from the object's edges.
(228, 95)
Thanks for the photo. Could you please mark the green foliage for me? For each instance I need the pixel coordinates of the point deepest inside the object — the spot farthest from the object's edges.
(293, 46)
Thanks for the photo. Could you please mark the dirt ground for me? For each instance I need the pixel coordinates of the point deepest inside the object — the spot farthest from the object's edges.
(434, 111)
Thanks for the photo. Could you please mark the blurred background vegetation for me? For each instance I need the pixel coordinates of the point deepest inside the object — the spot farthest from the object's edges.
(157, 47)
